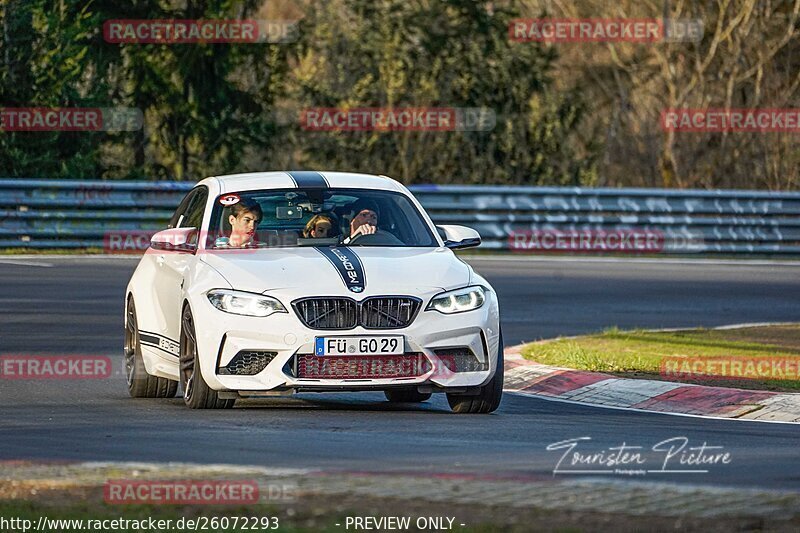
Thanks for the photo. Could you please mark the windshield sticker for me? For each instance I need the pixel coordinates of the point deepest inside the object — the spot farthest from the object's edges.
(229, 200)
(349, 266)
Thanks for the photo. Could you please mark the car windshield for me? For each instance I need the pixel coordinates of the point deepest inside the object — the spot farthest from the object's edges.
(276, 218)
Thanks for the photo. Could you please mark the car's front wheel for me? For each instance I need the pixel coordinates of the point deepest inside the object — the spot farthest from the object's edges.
(406, 395)
(140, 383)
(196, 392)
(488, 399)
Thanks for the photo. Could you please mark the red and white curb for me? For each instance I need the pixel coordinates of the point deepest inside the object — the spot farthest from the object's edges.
(594, 388)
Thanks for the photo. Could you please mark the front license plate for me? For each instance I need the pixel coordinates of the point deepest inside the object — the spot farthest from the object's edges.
(389, 345)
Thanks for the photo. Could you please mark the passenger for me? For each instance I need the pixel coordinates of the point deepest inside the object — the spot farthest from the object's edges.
(320, 227)
(244, 219)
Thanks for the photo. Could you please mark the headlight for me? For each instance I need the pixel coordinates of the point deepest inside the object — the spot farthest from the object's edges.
(458, 301)
(244, 303)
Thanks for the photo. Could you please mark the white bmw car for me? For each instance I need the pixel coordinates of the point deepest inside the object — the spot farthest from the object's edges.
(274, 283)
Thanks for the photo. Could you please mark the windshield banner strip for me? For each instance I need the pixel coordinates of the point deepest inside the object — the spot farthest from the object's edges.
(349, 266)
(307, 179)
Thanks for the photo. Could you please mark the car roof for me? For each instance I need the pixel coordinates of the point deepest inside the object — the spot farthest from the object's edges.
(296, 179)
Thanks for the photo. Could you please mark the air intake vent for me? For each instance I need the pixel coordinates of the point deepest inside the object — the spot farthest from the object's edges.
(460, 360)
(388, 313)
(362, 367)
(248, 363)
(327, 313)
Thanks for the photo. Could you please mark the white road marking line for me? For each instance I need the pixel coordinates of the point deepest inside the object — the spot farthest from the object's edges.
(665, 260)
(74, 257)
(218, 468)
(24, 263)
(755, 325)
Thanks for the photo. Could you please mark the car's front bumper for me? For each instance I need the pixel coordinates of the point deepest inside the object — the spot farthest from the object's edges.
(221, 336)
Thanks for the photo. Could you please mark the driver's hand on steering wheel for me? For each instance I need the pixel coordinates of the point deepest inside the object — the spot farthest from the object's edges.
(364, 229)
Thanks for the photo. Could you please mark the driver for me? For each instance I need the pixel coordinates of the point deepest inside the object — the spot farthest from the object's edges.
(365, 219)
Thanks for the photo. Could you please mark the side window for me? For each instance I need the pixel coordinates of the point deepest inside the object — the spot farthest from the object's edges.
(194, 213)
(179, 215)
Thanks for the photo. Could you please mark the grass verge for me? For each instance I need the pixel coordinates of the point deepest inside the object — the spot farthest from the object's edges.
(674, 355)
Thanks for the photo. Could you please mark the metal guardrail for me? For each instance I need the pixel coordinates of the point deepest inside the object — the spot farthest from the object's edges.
(78, 214)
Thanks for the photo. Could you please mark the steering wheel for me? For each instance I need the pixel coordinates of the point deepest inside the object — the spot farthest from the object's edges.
(380, 237)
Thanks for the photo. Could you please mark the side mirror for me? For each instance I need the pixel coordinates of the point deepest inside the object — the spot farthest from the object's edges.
(175, 240)
(459, 237)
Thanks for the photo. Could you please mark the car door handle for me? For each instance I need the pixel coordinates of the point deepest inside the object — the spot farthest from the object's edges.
(160, 260)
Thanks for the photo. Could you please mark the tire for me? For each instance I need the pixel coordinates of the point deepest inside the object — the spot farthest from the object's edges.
(488, 399)
(140, 383)
(406, 395)
(196, 392)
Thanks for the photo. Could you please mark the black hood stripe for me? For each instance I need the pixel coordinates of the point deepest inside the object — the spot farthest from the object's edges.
(349, 266)
(308, 179)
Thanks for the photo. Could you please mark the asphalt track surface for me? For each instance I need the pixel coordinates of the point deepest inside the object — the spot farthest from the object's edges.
(62, 305)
